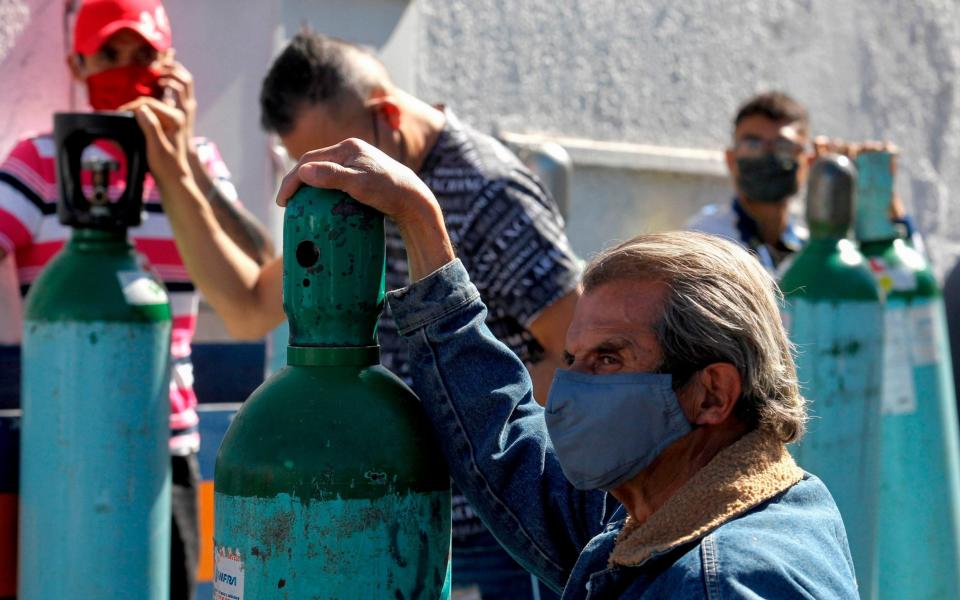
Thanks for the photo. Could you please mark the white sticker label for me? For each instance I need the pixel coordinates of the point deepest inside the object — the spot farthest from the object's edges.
(227, 574)
(893, 278)
(141, 289)
(903, 279)
(899, 396)
(923, 331)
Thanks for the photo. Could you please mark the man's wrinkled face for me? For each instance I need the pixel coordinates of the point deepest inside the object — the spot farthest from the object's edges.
(319, 126)
(758, 135)
(613, 328)
(124, 48)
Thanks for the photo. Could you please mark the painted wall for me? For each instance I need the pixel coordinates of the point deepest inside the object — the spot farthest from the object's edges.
(32, 66)
(672, 73)
(653, 72)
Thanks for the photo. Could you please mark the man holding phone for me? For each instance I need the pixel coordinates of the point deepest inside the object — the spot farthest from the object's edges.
(122, 50)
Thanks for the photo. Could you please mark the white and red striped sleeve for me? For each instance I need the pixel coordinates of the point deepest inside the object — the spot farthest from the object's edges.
(26, 185)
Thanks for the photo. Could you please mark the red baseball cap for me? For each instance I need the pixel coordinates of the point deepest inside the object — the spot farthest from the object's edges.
(97, 20)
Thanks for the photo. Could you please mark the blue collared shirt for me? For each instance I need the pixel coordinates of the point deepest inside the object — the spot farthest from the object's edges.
(734, 222)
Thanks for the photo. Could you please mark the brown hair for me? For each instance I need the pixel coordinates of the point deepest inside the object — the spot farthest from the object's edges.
(722, 307)
(775, 106)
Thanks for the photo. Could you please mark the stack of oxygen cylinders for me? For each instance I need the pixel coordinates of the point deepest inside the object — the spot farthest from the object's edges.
(867, 318)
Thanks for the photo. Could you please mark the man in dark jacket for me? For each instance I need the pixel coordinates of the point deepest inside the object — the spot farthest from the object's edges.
(678, 399)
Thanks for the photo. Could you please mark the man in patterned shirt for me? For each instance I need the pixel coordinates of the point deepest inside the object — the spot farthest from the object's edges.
(121, 50)
(508, 231)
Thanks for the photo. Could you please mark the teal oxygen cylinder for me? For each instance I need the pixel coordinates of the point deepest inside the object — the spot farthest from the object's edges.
(919, 471)
(329, 482)
(833, 315)
(94, 457)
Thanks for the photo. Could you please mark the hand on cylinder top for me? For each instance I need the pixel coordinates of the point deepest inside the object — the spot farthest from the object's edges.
(824, 145)
(373, 178)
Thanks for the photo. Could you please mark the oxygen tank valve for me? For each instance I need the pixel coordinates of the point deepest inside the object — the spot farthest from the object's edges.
(832, 195)
(74, 133)
(100, 170)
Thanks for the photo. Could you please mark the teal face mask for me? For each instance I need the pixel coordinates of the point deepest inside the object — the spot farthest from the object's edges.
(607, 428)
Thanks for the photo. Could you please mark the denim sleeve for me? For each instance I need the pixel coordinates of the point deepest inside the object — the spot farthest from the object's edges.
(478, 396)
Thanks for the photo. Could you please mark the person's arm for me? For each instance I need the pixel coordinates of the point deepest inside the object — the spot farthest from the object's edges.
(22, 211)
(11, 306)
(237, 222)
(475, 391)
(247, 297)
(479, 398)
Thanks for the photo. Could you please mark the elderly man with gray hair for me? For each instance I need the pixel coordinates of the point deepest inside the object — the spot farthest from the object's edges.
(658, 468)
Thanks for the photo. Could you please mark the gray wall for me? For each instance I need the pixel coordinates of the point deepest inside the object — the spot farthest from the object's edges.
(672, 73)
(656, 72)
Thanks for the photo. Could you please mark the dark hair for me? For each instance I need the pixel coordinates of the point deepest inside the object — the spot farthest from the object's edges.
(312, 68)
(775, 106)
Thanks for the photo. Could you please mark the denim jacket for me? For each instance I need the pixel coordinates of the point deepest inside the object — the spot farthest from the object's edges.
(750, 524)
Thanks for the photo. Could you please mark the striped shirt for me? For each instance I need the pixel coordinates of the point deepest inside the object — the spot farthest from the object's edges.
(508, 233)
(32, 233)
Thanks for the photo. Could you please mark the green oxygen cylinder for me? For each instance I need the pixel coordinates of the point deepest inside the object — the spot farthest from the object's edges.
(919, 471)
(329, 482)
(94, 454)
(833, 314)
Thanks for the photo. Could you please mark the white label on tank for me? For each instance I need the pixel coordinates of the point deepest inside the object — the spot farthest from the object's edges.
(923, 330)
(141, 289)
(899, 397)
(227, 574)
(903, 279)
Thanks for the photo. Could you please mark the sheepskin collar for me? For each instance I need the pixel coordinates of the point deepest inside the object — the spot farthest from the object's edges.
(750, 471)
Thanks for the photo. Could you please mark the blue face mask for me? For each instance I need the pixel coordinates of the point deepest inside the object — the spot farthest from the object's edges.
(606, 428)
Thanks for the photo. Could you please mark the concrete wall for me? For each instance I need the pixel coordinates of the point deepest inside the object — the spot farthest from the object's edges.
(32, 67)
(672, 73)
(656, 72)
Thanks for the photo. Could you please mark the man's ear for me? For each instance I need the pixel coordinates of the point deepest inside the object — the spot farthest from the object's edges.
(75, 64)
(720, 389)
(387, 106)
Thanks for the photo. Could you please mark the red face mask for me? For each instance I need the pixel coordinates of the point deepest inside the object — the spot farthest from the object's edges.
(111, 89)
